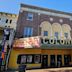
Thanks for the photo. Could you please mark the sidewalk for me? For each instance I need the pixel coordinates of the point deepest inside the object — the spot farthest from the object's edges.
(66, 69)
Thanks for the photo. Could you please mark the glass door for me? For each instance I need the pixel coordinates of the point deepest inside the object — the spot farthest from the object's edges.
(59, 60)
(44, 61)
(52, 61)
(67, 60)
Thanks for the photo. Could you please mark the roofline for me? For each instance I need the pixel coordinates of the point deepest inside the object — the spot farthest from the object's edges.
(46, 9)
(7, 13)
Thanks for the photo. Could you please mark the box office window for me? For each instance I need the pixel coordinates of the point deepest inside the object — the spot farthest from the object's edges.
(36, 58)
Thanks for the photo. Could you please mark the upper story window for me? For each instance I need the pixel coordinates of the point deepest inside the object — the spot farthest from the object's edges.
(10, 21)
(28, 31)
(6, 20)
(56, 35)
(45, 33)
(30, 16)
(66, 35)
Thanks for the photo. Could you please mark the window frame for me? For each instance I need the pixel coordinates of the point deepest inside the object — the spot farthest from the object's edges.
(56, 34)
(45, 33)
(30, 15)
(39, 58)
(23, 59)
(66, 35)
(28, 31)
(10, 21)
(6, 21)
(27, 58)
(33, 58)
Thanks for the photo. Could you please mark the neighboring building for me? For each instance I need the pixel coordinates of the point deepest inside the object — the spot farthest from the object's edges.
(7, 20)
(55, 26)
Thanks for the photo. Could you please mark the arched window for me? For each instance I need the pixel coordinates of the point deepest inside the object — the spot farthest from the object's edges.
(66, 31)
(46, 29)
(57, 30)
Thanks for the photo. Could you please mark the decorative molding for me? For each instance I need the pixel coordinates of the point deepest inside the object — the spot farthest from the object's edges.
(45, 12)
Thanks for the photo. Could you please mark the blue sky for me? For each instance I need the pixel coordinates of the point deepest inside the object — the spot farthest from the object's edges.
(13, 6)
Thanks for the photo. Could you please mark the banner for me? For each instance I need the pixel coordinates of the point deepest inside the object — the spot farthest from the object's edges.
(27, 42)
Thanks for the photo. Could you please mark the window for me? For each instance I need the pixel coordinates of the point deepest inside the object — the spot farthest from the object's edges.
(29, 59)
(66, 35)
(23, 59)
(30, 16)
(6, 26)
(10, 21)
(28, 31)
(37, 59)
(56, 35)
(6, 20)
(45, 33)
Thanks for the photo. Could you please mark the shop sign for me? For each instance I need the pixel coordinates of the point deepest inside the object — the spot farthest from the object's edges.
(27, 42)
(56, 42)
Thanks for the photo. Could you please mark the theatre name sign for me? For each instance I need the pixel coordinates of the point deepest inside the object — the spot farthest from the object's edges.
(37, 41)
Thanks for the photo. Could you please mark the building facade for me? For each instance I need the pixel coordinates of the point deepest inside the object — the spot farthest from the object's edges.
(43, 22)
(55, 27)
(7, 20)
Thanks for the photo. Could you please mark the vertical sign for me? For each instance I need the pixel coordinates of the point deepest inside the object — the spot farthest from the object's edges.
(5, 37)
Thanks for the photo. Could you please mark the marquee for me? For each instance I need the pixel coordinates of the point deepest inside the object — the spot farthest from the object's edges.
(32, 42)
(27, 42)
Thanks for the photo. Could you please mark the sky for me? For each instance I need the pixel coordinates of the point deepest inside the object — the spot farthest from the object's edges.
(13, 6)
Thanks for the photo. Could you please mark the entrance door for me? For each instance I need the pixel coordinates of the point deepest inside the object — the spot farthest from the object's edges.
(44, 61)
(67, 60)
(59, 60)
(52, 61)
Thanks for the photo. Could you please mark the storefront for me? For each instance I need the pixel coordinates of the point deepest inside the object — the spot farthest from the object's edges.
(29, 52)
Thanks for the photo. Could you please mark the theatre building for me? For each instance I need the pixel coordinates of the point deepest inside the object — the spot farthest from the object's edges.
(43, 38)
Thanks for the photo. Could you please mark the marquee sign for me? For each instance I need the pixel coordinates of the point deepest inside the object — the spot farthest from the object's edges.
(32, 42)
(27, 42)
